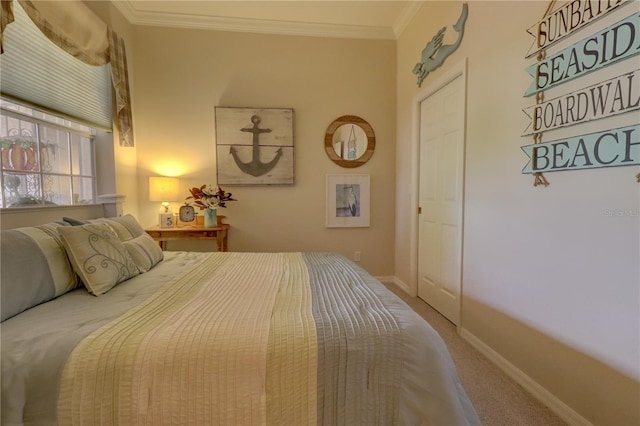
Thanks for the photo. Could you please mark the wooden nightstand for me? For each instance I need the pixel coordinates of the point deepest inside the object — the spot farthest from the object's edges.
(162, 235)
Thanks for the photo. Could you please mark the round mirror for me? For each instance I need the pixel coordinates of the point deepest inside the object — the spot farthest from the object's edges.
(349, 141)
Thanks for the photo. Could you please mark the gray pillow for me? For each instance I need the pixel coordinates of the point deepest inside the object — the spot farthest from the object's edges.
(74, 222)
(34, 268)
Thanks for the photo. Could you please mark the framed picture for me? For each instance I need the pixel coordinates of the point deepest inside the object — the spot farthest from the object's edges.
(254, 146)
(347, 203)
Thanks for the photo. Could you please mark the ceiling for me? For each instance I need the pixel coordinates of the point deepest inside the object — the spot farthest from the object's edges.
(373, 19)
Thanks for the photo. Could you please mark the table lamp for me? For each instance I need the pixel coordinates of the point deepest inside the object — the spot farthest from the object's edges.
(164, 189)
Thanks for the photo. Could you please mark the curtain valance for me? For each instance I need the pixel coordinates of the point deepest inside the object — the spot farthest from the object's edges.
(73, 27)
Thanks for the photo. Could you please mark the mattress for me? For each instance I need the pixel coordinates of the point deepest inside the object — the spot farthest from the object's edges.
(231, 338)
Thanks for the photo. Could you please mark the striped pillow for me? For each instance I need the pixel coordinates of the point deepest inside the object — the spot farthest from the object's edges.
(144, 251)
(34, 268)
(127, 227)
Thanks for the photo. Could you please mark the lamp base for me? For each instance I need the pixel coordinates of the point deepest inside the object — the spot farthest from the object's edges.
(166, 220)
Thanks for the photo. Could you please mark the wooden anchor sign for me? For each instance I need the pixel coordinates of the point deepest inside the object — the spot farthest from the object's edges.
(255, 167)
(266, 158)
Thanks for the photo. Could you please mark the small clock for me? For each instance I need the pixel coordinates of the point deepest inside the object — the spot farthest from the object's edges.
(187, 213)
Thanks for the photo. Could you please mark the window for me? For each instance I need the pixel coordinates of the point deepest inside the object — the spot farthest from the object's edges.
(36, 71)
(46, 160)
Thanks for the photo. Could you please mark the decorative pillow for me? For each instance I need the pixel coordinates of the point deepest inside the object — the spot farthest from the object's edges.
(126, 227)
(144, 251)
(98, 256)
(34, 268)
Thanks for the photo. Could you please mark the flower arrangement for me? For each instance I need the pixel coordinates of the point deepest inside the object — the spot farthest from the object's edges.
(207, 197)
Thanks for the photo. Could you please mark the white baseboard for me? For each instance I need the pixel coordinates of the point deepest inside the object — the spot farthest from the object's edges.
(390, 279)
(397, 281)
(565, 412)
(386, 279)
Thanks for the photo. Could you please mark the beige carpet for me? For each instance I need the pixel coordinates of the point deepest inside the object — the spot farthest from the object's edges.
(498, 400)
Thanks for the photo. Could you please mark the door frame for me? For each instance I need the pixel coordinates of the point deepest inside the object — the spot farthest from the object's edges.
(458, 70)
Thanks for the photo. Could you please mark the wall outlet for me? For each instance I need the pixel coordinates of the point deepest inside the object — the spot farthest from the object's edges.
(356, 256)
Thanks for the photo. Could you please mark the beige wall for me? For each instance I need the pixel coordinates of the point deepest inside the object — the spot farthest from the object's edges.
(181, 75)
(550, 275)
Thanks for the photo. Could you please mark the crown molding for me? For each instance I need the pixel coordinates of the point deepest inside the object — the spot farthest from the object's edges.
(264, 26)
(405, 17)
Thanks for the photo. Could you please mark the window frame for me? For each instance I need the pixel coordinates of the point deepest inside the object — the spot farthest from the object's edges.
(69, 128)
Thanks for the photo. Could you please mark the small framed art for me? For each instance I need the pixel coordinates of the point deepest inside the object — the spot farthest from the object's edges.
(347, 203)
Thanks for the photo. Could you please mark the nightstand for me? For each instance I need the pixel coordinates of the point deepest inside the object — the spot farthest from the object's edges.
(162, 235)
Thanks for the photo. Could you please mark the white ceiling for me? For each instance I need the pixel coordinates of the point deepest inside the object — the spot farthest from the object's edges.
(373, 19)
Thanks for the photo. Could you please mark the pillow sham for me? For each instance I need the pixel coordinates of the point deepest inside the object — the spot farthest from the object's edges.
(34, 268)
(144, 251)
(98, 256)
(126, 226)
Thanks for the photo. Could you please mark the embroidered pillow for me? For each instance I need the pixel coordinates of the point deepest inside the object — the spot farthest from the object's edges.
(98, 256)
(144, 251)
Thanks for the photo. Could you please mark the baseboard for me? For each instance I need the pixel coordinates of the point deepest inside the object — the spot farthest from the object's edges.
(397, 281)
(565, 412)
(561, 409)
(386, 279)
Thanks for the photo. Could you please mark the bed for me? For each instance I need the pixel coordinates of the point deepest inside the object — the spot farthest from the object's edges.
(101, 327)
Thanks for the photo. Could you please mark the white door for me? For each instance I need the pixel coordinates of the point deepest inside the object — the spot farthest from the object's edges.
(440, 202)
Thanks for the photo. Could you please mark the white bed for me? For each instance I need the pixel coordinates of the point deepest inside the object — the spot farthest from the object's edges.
(228, 338)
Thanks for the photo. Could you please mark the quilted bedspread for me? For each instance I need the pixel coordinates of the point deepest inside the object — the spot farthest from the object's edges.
(233, 339)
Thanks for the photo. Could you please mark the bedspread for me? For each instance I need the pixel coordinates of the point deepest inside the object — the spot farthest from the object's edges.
(239, 338)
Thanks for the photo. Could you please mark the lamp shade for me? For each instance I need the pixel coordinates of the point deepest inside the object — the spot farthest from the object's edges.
(163, 188)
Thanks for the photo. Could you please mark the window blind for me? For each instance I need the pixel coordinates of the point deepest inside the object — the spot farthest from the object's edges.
(36, 71)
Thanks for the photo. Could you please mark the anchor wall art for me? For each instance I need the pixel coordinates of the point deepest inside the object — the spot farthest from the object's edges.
(254, 146)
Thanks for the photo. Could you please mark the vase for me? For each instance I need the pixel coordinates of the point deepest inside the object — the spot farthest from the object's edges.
(210, 218)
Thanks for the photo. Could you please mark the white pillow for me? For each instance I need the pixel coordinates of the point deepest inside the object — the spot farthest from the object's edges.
(98, 256)
(144, 251)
